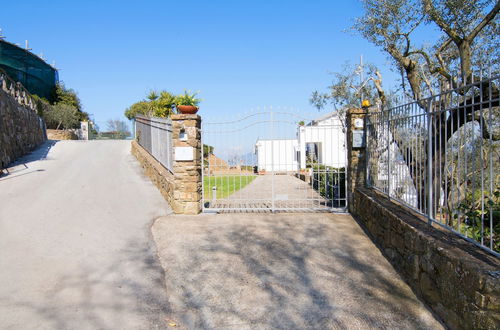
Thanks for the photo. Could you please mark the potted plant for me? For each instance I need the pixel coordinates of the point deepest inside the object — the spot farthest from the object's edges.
(187, 103)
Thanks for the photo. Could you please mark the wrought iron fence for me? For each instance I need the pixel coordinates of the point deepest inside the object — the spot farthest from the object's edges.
(155, 135)
(441, 157)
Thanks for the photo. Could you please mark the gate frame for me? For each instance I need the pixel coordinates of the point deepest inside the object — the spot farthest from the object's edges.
(273, 208)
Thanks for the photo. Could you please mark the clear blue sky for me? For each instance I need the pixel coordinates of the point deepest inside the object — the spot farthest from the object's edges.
(238, 54)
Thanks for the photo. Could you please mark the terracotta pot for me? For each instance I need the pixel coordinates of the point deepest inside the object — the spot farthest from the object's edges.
(187, 109)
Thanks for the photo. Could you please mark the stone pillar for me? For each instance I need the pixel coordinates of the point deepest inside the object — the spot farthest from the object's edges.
(356, 151)
(186, 138)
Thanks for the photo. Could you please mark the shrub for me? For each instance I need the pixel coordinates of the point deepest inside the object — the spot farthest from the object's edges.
(330, 183)
(471, 213)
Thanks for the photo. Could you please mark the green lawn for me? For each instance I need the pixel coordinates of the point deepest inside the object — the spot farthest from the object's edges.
(226, 184)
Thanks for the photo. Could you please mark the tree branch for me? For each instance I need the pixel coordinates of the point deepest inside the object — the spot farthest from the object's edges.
(432, 12)
(490, 16)
(407, 37)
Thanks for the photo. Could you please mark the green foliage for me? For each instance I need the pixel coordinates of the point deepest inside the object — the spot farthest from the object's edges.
(187, 99)
(64, 100)
(207, 150)
(93, 129)
(138, 108)
(61, 116)
(463, 30)
(347, 91)
(162, 106)
(473, 219)
(63, 95)
(330, 183)
(152, 96)
(156, 104)
(41, 105)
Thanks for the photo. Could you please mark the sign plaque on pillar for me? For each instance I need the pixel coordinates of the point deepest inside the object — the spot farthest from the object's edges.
(358, 138)
(184, 153)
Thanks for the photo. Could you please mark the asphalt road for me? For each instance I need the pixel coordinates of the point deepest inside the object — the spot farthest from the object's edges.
(76, 250)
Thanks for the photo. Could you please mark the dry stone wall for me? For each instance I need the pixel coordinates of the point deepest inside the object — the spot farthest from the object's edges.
(59, 134)
(21, 129)
(458, 281)
(162, 178)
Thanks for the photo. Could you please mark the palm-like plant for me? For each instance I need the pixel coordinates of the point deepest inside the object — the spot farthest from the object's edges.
(165, 104)
(152, 96)
(187, 99)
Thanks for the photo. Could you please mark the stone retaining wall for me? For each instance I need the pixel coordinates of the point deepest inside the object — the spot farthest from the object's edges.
(459, 281)
(21, 129)
(59, 134)
(159, 175)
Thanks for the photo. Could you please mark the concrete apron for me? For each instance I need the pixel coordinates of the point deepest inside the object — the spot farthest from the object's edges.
(281, 271)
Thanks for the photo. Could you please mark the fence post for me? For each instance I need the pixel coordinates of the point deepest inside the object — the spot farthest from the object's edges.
(356, 151)
(187, 163)
(132, 121)
(430, 200)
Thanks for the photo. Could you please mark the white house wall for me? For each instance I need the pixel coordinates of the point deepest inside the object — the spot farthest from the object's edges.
(277, 155)
(331, 137)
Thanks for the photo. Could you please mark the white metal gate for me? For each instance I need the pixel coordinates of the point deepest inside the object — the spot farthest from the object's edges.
(274, 160)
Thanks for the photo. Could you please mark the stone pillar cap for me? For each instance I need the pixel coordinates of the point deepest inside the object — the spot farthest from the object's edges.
(182, 116)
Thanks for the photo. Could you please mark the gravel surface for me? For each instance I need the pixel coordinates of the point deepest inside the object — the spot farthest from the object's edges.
(281, 271)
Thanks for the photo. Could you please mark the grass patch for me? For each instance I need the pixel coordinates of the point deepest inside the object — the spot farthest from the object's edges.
(226, 184)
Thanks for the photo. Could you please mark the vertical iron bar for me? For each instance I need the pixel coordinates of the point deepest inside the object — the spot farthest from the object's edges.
(272, 159)
(389, 154)
(429, 162)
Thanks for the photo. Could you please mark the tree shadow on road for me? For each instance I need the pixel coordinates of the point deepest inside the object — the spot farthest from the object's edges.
(283, 272)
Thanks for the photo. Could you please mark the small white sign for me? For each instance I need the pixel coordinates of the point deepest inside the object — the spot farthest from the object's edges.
(184, 153)
(358, 123)
(358, 138)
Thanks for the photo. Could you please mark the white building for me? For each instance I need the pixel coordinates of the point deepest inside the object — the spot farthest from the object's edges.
(321, 141)
(277, 155)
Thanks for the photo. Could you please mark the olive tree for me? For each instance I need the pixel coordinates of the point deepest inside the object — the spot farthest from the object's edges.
(466, 42)
(61, 116)
(463, 24)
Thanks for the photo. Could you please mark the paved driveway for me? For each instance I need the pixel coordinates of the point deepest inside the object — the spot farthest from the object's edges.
(289, 192)
(285, 271)
(76, 250)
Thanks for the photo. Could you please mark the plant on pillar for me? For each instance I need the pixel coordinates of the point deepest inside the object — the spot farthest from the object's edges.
(187, 103)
